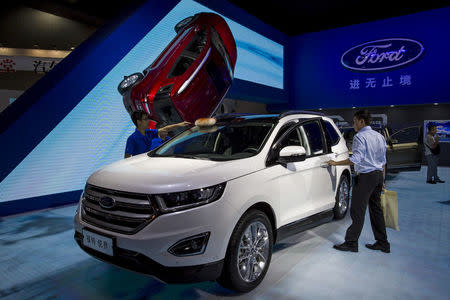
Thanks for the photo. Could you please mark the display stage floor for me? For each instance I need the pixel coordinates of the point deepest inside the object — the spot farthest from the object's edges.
(40, 260)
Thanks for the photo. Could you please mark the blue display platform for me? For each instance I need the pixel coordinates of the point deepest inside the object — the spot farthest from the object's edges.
(40, 260)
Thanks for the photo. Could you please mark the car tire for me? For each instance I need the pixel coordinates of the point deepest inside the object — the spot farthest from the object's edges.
(128, 82)
(180, 25)
(342, 198)
(251, 241)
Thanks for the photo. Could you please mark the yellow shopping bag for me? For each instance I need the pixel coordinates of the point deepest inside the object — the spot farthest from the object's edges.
(389, 205)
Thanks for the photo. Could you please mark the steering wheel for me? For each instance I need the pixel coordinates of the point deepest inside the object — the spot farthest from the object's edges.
(250, 149)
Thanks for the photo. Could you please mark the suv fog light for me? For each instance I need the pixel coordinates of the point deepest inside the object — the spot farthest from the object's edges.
(193, 245)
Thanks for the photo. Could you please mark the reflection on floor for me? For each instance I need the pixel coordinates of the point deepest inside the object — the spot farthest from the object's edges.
(40, 260)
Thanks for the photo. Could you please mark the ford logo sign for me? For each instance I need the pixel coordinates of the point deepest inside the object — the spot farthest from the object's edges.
(107, 202)
(381, 55)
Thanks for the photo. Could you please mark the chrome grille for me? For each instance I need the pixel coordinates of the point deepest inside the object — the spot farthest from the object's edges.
(131, 211)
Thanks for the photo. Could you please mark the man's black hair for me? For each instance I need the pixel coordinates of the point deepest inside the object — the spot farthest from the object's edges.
(430, 126)
(137, 115)
(363, 114)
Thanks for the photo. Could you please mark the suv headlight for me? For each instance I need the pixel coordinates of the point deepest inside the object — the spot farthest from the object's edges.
(188, 199)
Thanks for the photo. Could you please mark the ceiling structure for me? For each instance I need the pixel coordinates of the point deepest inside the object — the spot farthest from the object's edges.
(300, 16)
(292, 17)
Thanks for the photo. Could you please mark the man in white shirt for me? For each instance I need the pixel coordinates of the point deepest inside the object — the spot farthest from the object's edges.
(369, 159)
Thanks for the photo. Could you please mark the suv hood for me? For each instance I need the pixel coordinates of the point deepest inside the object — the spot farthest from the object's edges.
(155, 175)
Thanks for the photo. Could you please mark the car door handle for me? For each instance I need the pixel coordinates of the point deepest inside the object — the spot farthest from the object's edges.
(324, 165)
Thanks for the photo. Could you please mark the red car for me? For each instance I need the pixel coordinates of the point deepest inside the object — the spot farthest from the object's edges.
(190, 77)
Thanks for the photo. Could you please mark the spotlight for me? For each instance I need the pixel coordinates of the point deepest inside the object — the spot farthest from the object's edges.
(391, 105)
(72, 48)
(435, 103)
(354, 107)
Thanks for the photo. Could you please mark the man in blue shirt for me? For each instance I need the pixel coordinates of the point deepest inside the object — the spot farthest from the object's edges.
(141, 140)
(160, 139)
(369, 159)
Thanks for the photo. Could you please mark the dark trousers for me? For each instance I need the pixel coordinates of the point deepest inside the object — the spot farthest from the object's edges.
(367, 190)
(432, 161)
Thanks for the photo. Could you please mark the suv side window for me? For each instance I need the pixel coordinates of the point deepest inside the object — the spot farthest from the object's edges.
(189, 54)
(218, 43)
(315, 138)
(334, 136)
(292, 139)
(220, 81)
(283, 130)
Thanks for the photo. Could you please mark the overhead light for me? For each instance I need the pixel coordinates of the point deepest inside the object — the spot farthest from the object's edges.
(391, 105)
(72, 48)
(320, 108)
(354, 107)
(36, 45)
(435, 103)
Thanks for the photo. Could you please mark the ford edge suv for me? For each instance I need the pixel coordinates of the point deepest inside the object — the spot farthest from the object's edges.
(210, 203)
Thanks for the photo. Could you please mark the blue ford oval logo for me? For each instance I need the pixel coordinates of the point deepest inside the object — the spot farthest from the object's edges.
(381, 55)
(107, 202)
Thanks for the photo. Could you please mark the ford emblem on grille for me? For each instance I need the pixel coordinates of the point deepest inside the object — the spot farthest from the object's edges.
(382, 55)
(107, 202)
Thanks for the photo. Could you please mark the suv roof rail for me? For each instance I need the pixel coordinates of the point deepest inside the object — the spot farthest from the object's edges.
(294, 112)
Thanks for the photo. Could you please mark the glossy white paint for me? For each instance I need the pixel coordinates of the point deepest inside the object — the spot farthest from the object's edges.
(294, 191)
(155, 175)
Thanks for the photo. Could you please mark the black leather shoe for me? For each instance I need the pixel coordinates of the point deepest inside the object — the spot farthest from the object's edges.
(440, 181)
(431, 181)
(346, 247)
(378, 246)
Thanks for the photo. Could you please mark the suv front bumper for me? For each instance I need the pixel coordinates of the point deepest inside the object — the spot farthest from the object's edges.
(146, 251)
(140, 263)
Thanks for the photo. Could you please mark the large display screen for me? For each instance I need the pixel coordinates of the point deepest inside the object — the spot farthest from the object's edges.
(94, 133)
(442, 127)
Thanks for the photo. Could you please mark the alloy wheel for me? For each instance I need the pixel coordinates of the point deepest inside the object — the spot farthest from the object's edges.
(253, 251)
(343, 197)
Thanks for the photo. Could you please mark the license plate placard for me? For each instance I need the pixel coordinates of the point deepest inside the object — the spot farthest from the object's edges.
(98, 242)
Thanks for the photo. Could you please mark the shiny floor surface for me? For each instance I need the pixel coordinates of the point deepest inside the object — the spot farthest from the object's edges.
(40, 260)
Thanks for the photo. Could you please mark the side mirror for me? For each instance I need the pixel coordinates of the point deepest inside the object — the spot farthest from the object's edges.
(291, 154)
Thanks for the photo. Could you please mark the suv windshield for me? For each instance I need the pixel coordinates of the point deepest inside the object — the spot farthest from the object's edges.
(239, 138)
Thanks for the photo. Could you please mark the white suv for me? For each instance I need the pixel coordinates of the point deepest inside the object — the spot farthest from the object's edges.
(210, 203)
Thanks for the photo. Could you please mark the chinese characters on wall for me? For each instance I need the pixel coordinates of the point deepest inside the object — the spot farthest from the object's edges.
(7, 65)
(386, 82)
(43, 65)
(23, 63)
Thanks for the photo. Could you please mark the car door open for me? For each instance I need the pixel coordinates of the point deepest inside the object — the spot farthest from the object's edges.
(404, 150)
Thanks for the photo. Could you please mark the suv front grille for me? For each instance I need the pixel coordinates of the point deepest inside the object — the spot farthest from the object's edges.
(131, 211)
